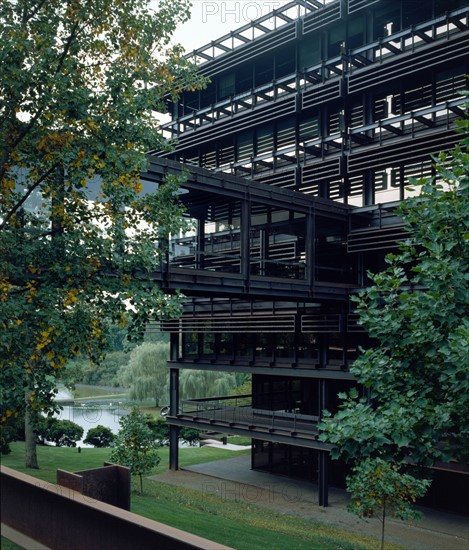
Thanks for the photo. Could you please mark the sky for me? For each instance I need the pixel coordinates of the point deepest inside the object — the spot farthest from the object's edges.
(212, 19)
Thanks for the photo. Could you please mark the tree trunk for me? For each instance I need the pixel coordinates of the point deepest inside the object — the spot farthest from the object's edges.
(30, 441)
(382, 526)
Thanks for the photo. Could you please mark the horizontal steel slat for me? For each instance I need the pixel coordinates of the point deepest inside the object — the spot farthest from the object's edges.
(352, 323)
(357, 5)
(321, 94)
(243, 53)
(375, 239)
(320, 323)
(276, 323)
(220, 128)
(408, 63)
(323, 16)
(321, 169)
(395, 152)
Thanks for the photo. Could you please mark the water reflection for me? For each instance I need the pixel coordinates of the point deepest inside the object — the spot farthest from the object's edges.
(91, 414)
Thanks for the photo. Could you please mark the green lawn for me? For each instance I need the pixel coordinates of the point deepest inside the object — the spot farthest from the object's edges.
(66, 458)
(237, 524)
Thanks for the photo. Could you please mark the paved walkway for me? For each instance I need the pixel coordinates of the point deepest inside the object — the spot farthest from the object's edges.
(234, 480)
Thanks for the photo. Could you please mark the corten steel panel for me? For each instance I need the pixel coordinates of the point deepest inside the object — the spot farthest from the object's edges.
(282, 433)
(301, 369)
(232, 187)
(63, 519)
(110, 484)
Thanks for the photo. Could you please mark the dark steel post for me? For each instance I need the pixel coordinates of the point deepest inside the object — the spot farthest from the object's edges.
(323, 481)
(174, 405)
(246, 240)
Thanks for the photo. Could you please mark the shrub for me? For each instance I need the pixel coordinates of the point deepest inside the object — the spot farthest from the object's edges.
(100, 436)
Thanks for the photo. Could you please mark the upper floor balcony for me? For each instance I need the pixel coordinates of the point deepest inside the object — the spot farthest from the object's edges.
(236, 415)
(253, 239)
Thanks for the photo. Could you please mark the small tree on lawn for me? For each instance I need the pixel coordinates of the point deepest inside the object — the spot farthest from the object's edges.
(379, 488)
(100, 436)
(134, 446)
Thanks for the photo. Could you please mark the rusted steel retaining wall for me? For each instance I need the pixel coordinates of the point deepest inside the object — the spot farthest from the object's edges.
(63, 519)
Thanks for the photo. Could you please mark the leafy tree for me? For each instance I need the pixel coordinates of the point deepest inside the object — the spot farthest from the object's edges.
(379, 488)
(64, 433)
(134, 445)
(417, 373)
(199, 383)
(100, 436)
(189, 435)
(79, 86)
(146, 374)
(160, 430)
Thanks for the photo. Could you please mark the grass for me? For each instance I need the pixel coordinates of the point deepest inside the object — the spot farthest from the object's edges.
(84, 392)
(8, 545)
(66, 458)
(231, 522)
(239, 440)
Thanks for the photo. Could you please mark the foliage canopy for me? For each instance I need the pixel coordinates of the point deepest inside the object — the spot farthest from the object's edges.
(99, 436)
(134, 445)
(417, 372)
(146, 374)
(80, 82)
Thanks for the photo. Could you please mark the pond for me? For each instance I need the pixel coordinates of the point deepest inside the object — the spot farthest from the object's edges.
(89, 415)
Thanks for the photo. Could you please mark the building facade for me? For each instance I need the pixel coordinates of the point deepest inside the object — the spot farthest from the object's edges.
(298, 152)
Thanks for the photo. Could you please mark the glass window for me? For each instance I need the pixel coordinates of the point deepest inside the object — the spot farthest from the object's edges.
(225, 345)
(355, 33)
(284, 62)
(309, 52)
(284, 345)
(265, 139)
(209, 344)
(226, 86)
(264, 70)
(244, 145)
(190, 346)
(263, 346)
(243, 346)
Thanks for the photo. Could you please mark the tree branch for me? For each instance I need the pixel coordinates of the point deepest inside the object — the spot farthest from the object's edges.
(31, 188)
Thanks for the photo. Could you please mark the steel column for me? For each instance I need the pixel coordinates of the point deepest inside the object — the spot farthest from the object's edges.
(174, 405)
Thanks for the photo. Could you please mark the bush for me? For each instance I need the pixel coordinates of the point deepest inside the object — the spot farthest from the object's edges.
(101, 436)
(160, 431)
(64, 433)
(189, 435)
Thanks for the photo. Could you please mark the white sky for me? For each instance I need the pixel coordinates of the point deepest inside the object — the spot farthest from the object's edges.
(212, 19)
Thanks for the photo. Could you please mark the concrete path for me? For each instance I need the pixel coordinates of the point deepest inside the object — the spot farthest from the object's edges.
(232, 479)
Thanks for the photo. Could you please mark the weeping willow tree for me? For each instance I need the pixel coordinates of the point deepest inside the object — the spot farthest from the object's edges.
(146, 374)
(201, 383)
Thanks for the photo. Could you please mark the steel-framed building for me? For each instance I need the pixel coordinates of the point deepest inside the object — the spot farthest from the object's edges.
(298, 152)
